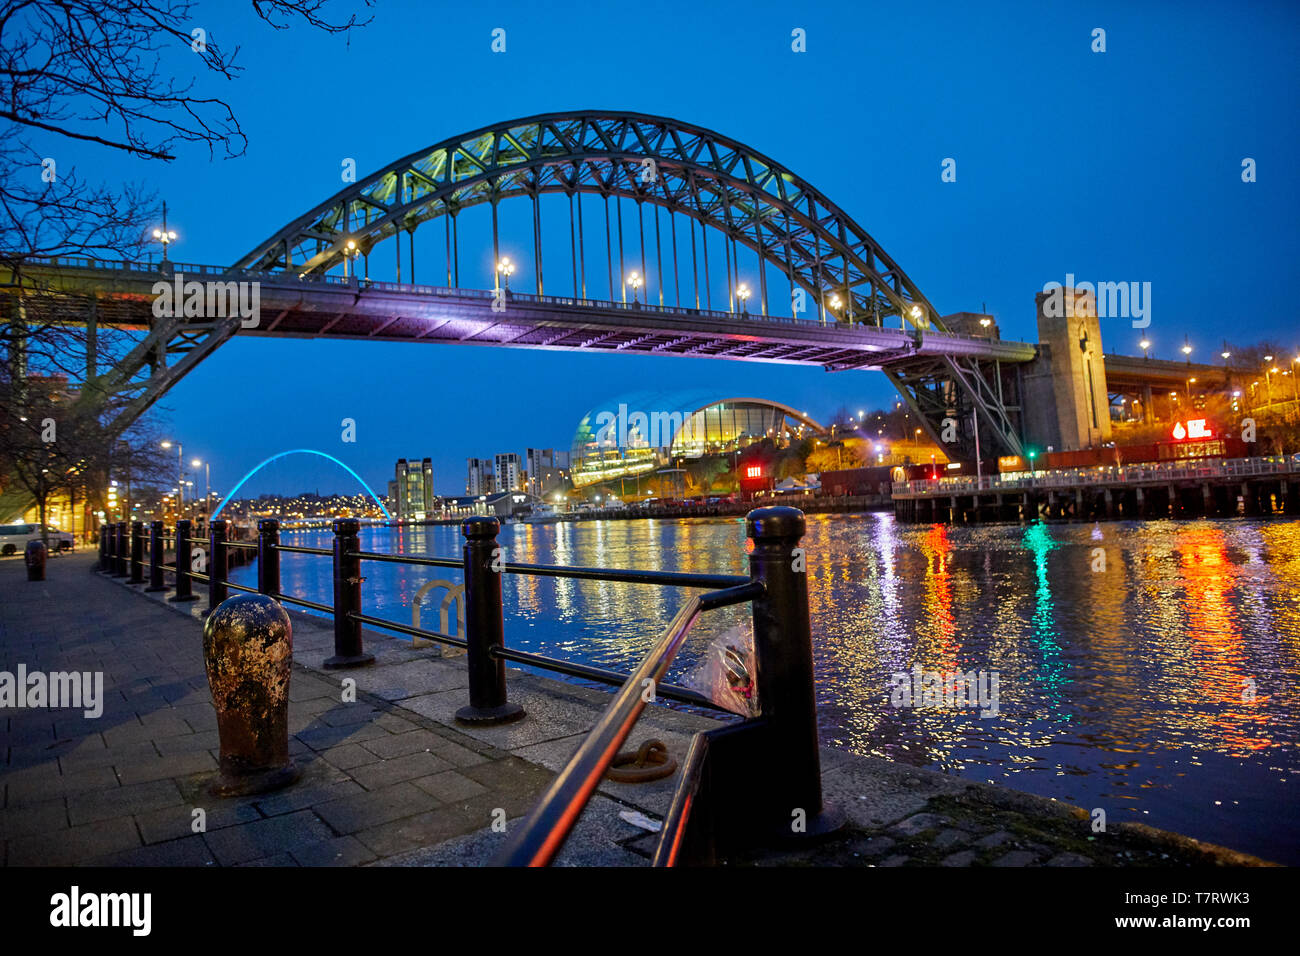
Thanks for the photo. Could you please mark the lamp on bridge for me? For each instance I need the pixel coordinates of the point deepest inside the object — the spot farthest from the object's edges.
(836, 303)
(350, 253)
(1145, 345)
(164, 235)
(743, 294)
(1187, 350)
(505, 269)
(634, 280)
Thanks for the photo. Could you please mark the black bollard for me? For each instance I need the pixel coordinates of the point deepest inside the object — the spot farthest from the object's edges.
(119, 550)
(248, 655)
(485, 626)
(184, 583)
(156, 532)
(348, 651)
(137, 553)
(784, 661)
(103, 549)
(35, 556)
(268, 557)
(218, 564)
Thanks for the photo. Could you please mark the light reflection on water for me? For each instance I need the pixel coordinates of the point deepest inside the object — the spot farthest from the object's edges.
(1119, 688)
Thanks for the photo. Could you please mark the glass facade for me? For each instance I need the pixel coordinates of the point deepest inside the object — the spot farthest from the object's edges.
(637, 436)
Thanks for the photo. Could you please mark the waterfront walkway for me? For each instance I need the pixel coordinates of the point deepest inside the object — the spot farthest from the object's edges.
(390, 779)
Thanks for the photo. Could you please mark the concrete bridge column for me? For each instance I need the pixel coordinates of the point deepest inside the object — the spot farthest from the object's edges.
(1109, 499)
(1249, 500)
(1291, 505)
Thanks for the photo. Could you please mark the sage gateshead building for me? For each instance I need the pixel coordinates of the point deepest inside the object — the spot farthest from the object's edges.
(637, 434)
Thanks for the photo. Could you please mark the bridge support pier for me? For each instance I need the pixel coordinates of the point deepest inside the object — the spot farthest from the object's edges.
(1291, 505)
(1249, 500)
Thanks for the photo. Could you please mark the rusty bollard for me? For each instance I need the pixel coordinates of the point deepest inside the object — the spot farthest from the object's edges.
(35, 556)
(248, 650)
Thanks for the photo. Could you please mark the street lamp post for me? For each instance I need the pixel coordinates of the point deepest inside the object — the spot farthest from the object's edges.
(743, 294)
(1145, 344)
(180, 472)
(164, 235)
(505, 268)
(635, 281)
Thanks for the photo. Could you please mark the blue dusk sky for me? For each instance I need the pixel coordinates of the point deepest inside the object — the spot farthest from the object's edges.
(1116, 166)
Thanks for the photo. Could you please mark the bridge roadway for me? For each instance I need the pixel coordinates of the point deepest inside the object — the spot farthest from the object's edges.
(335, 307)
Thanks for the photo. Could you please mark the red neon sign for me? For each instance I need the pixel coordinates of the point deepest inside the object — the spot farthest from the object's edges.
(1194, 428)
(754, 471)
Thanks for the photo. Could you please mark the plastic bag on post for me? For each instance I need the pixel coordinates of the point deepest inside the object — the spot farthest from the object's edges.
(726, 673)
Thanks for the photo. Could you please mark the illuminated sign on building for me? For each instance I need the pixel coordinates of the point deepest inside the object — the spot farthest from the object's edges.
(1194, 428)
(754, 471)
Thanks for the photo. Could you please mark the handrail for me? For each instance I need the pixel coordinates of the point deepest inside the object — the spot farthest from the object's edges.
(539, 839)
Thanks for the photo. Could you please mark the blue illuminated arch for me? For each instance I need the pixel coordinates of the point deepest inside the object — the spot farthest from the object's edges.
(302, 451)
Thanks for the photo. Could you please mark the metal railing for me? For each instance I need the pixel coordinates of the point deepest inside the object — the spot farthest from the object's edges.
(363, 283)
(724, 766)
(1103, 475)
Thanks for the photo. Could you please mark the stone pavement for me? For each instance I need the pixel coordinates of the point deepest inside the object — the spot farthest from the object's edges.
(390, 779)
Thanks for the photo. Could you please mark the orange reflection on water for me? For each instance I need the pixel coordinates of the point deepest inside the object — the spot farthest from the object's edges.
(1210, 580)
(936, 604)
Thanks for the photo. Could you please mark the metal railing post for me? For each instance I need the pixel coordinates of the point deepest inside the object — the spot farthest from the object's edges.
(137, 553)
(348, 651)
(156, 582)
(268, 557)
(792, 793)
(184, 583)
(218, 564)
(485, 626)
(119, 551)
(103, 548)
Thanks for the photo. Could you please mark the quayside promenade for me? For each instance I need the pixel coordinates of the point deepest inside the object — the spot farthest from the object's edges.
(391, 779)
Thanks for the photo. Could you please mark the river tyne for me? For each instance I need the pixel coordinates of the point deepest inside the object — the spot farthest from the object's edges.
(1147, 669)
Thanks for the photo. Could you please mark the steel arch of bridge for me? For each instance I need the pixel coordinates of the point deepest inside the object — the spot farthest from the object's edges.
(699, 173)
(714, 180)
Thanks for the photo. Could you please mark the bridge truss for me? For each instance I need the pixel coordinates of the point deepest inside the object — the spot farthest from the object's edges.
(844, 278)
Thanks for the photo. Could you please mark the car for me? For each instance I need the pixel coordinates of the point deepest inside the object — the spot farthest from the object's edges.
(14, 538)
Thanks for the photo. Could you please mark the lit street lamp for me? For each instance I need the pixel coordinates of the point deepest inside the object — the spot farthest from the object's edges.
(1145, 345)
(635, 281)
(350, 253)
(1187, 350)
(164, 235)
(180, 471)
(505, 269)
(743, 294)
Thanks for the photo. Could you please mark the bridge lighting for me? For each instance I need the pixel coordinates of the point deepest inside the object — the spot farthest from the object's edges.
(635, 281)
(505, 269)
(743, 294)
(1268, 358)
(835, 302)
(164, 235)
(1225, 355)
(916, 312)
(986, 322)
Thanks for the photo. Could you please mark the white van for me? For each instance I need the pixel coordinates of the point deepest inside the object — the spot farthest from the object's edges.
(14, 538)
